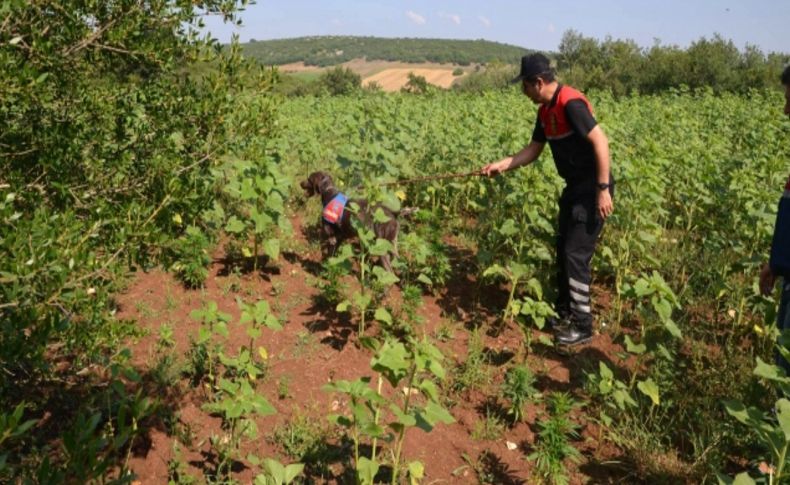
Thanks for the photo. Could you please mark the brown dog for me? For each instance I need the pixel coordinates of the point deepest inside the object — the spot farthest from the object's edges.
(340, 229)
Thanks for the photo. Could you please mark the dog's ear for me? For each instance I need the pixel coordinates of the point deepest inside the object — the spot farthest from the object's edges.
(307, 185)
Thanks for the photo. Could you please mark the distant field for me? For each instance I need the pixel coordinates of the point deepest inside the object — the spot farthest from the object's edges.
(391, 76)
(395, 79)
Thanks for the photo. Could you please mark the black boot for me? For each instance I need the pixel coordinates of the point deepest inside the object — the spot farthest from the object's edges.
(573, 335)
(558, 324)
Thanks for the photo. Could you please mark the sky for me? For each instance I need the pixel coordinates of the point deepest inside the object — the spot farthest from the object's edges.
(530, 24)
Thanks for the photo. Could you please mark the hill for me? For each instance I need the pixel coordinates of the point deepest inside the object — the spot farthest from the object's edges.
(333, 50)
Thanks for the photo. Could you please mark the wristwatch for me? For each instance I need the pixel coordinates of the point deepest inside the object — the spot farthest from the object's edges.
(604, 186)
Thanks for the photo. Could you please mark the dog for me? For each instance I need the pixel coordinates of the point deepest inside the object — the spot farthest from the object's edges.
(336, 217)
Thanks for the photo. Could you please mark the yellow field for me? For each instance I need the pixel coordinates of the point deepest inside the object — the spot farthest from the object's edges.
(391, 76)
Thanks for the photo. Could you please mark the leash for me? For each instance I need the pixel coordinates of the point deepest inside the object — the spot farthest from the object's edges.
(430, 178)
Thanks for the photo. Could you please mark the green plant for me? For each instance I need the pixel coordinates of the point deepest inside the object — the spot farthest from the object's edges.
(340, 80)
(473, 373)
(305, 344)
(519, 389)
(365, 405)
(416, 84)
(256, 192)
(166, 339)
(283, 384)
(771, 428)
(373, 279)
(255, 317)
(536, 309)
(306, 440)
(333, 270)
(444, 333)
(275, 473)
(484, 467)
(192, 258)
(411, 368)
(177, 473)
(553, 445)
(236, 402)
(489, 428)
(12, 427)
(213, 321)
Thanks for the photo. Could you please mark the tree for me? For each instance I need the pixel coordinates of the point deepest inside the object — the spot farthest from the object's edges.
(416, 85)
(112, 115)
(340, 80)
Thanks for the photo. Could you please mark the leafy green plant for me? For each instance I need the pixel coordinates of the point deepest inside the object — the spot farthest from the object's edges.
(536, 309)
(213, 322)
(519, 388)
(235, 403)
(373, 279)
(192, 258)
(275, 473)
(283, 384)
(307, 440)
(258, 189)
(490, 427)
(256, 317)
(771, 428)
(413, 368)
(366, 405)
(334, 269)
(553, 445)
(473, 373)
(410, 368)
(12, 427)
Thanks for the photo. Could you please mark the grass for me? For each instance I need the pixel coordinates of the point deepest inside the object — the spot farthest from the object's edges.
(305, 344)
(473, 373)
(145, 310)
(306, 439)
(283, 390)
(489, 428)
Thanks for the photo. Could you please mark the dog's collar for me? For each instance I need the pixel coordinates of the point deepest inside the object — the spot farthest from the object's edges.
(333, 210)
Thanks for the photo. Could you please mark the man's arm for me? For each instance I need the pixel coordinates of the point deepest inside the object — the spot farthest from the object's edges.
(527, 155)
(600, 145)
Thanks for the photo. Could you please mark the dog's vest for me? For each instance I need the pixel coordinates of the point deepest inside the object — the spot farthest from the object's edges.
(333, 210)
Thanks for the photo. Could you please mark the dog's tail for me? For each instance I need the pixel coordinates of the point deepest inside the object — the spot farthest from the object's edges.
(407, 211)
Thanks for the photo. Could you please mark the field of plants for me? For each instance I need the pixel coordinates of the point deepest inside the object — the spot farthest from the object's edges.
(166, 315)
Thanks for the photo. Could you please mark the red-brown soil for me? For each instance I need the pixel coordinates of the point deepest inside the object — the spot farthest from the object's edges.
(317, 346)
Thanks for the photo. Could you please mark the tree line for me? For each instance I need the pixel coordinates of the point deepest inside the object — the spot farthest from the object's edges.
(617, 65)
(623, 67)
(327, 51)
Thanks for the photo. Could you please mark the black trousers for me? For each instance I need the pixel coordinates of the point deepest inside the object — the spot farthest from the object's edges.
(579, 228)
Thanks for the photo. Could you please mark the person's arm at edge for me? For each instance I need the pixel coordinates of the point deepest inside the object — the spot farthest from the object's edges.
(527, 155)
(600, 144)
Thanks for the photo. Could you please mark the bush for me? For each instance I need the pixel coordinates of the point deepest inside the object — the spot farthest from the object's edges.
(340, 80)
(109, 126)
(416, 85)
(192, 259)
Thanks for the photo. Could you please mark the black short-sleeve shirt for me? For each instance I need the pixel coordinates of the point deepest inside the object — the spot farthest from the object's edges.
(574, 155)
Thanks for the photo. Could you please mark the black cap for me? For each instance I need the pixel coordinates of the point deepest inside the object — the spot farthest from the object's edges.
(532, 65)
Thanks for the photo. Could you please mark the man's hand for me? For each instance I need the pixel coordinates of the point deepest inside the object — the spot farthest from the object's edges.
(605, 205)
(495, 168)
(767, 280)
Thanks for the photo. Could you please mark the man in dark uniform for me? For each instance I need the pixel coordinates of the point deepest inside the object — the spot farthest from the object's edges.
(779, 262)
(581, 153)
